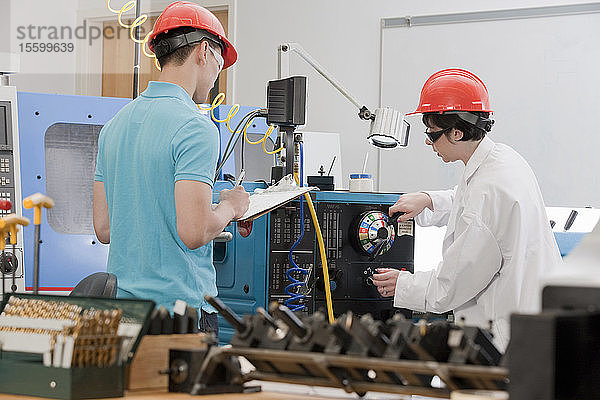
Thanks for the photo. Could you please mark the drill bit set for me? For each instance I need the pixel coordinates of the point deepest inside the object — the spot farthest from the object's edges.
(64, 334)
(358, 354)
(68, 347)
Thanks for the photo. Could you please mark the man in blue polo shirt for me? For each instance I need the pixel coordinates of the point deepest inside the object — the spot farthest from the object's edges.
(155, 169)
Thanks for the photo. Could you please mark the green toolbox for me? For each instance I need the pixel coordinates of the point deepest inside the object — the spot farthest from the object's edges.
(68, 347)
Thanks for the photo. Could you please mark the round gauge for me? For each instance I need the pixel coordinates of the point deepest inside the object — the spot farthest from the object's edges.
(374, 231)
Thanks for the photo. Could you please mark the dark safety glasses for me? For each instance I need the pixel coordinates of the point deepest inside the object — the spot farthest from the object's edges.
(433, 136)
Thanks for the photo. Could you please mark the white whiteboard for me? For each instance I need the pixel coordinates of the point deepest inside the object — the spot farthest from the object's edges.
(543, 75)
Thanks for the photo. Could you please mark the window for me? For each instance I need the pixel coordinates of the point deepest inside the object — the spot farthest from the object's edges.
(70, 151)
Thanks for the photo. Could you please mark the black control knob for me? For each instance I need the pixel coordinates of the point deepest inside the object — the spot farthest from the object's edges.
(368, 276)
(8, 263)
(335, 276)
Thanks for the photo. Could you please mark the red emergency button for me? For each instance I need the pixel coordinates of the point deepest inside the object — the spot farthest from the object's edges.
(5, 205)
(244, 228)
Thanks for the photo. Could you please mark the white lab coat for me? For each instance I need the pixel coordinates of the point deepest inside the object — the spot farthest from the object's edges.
(497, 246)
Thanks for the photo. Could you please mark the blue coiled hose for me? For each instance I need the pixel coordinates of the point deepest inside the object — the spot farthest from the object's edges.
(293, 302)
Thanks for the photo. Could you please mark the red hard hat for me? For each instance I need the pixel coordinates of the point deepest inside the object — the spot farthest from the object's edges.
(185, 13)
(453, 90)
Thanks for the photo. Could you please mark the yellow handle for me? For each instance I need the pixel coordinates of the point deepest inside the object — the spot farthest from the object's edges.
(37, 201)
(3, 235)
(9, 224)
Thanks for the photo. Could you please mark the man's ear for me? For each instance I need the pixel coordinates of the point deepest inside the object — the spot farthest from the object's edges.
(457, 134)
(201, 53)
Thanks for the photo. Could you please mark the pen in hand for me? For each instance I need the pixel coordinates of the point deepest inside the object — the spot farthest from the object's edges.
(240, 178)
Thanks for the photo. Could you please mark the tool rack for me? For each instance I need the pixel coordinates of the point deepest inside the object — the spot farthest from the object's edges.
(351, 373)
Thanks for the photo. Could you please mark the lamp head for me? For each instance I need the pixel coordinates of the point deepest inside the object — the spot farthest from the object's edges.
(388, 129)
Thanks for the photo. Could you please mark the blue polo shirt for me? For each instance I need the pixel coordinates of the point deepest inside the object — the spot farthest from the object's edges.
(156, 140)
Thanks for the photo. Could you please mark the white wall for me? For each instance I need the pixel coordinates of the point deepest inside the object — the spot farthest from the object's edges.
(542, 78)
(51, 72)
(344, 37)
(5, 27)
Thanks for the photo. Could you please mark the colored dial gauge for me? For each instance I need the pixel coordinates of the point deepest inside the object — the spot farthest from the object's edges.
(375, 228)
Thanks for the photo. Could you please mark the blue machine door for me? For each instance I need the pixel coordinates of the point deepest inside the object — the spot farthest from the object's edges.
(58, 145)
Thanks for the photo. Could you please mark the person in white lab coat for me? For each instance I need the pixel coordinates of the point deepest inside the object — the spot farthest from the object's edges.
(498, 241)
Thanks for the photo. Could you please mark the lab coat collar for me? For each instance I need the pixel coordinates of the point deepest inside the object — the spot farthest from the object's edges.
(479, 155)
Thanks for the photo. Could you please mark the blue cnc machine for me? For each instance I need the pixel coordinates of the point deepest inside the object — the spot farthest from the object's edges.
(59, 136)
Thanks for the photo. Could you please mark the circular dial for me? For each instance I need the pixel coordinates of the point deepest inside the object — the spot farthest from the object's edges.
(375, 231)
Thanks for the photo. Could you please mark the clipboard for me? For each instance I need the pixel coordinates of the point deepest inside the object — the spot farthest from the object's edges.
(277, 195)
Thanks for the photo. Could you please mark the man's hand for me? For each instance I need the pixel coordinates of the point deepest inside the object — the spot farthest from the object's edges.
(237, 198)
(411, 204)
(197, 221)
(385, 281)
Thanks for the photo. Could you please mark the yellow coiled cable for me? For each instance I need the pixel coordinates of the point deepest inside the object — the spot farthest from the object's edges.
(137, 22)
(218, 100)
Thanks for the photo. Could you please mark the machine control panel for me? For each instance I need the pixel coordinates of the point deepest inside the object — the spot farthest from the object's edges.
(7, 195)
(7, 188)
(12, 259)
(286, 227)
(358, 239)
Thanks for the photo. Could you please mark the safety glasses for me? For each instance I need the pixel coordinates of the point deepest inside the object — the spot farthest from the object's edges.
(433, 136)
(218, 57)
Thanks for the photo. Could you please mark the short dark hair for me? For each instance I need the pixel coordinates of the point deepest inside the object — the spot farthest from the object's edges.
(179, 56)
(445, 121)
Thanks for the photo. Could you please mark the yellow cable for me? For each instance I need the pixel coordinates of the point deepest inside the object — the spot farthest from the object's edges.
(110, 8)
(234, 109)
(328, 300)
(128, 6)
(137, 22)
(216, 103)
(271, 152)
(144, 46)
(264, 138)
(315, 220)
(218, 100)
(258, 141)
